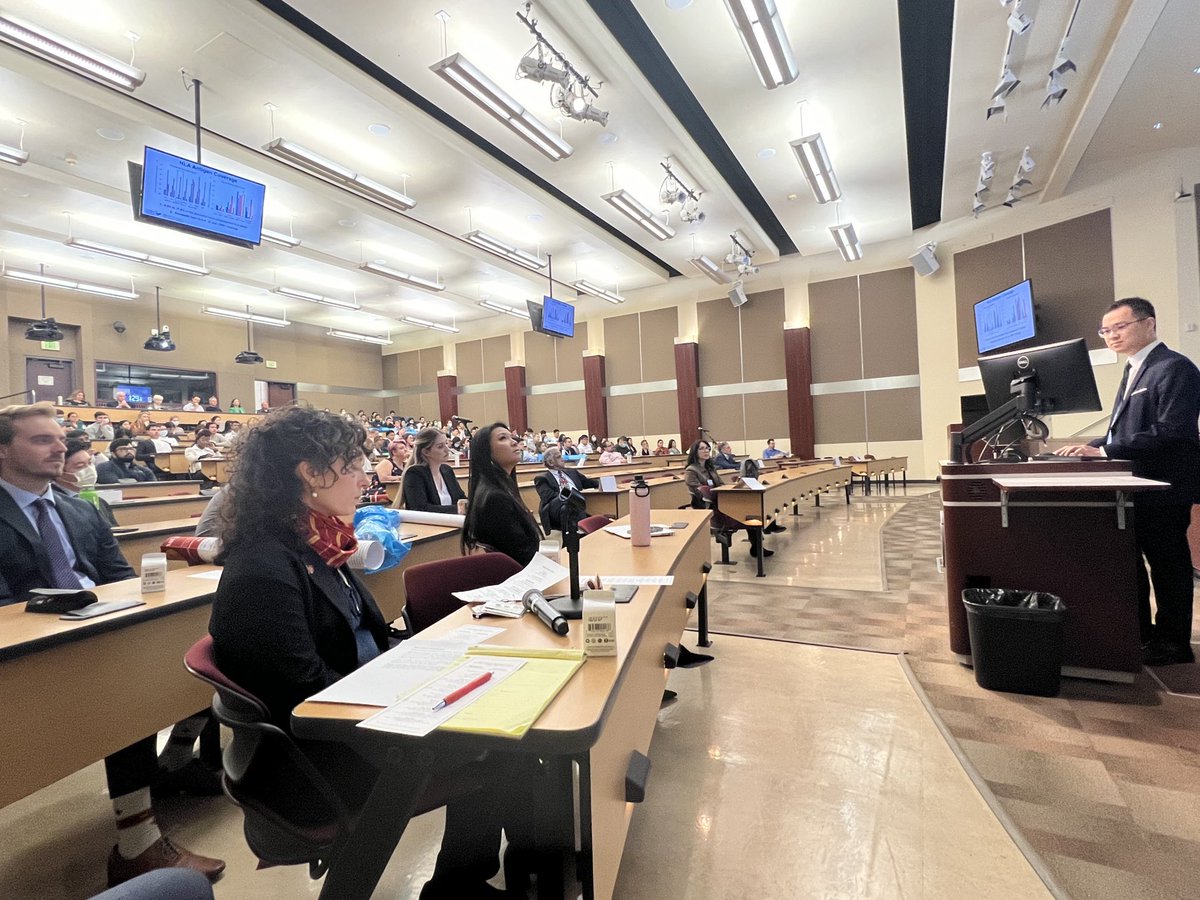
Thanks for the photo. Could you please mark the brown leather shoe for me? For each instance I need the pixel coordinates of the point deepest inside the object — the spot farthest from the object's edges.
(162, 854)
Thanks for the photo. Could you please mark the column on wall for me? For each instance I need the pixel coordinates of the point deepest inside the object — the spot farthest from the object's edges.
(447, 384)
(518, 405)
(593, 394)
(687, 384)
(797, 351)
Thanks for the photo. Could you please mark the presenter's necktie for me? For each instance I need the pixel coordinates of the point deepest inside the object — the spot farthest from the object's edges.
(60, 566)
(1120, 399)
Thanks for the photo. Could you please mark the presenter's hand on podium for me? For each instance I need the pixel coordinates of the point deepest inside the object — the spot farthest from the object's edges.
(1078, 450)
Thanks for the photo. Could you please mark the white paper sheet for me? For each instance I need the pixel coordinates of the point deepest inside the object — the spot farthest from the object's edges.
(610, 580)
(214, 575)
(540, 574)
(655, 531)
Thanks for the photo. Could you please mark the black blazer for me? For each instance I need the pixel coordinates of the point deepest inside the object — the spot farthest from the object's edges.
(110, 472)
(420, 494)
(281, 623)
(549, 504)
(505, 524)
(23, 561)
(1155, 427)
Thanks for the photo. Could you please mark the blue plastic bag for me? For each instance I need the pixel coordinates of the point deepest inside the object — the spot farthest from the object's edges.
(382, 524)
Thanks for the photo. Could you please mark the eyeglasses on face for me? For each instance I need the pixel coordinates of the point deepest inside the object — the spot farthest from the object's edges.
(1118, 327)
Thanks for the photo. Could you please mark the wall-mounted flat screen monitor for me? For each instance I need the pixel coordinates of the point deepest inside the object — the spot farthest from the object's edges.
(1005, 318)
(1062, 376)
(184, 195)
(558, 318)
(135, 393)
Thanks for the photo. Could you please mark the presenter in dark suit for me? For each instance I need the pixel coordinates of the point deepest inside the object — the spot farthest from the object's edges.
(429, 484)
(550, 484)
(290, 617)
(1153, 425)
(51, 540)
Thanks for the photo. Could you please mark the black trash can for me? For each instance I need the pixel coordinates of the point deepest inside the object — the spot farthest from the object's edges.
(1016, 639)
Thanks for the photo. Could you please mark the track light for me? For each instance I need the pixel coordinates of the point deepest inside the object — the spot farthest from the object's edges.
(314, 298)
(304, 158)
(425, 323)
(711, 269)
(14, 155)
(541, 71)
(148, 259)
(977, 207)
(1008, 84)
(502, 308)
(846, 239)
(572, 103)
(244, 316)
(586, 287)
(403, 277)
(71, 284)
(1018, 22)
(1055, 90)
(574, 94)
(284, 240)
(1012, 198)
(818, 170)
(996, 107)
(761, 30)
(68, 53)
(625, 203)
(508, 251)
(355, 336)
(458, 71)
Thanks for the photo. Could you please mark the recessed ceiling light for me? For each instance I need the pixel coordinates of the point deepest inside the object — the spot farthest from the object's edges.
(111, 134)
(609, 137)
(766, 153)
(1157, 126)
(378, 128)
(346, 223)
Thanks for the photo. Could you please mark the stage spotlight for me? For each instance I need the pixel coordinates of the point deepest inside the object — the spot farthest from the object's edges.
(541, 71)
(1008, 84)
(996, 107)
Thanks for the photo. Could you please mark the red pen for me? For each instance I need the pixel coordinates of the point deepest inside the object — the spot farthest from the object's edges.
(455, 696)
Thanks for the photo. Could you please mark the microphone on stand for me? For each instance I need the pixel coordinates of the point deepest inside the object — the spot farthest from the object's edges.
(535, 601)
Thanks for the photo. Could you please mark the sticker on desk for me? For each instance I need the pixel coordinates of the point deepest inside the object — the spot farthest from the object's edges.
(443, 698)
(613, 580)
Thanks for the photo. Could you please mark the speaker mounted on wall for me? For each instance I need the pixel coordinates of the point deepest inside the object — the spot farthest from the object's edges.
(925, 260)
(737, 296)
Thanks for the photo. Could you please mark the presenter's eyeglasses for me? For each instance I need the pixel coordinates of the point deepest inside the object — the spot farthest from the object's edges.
(1118, 327)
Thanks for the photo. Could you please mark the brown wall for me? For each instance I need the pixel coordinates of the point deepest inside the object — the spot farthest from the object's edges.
(412, 375)
(640, 348)
(554, 361)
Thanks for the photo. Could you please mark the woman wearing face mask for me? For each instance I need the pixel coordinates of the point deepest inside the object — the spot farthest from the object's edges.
(497, 517)
(429, 482)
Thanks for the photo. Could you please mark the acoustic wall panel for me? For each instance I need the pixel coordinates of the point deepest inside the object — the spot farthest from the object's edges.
(1071, 266)
(723, 417)
(622, 351)
(979, 273)
(720, 342)
(840, 418)
(761, 321)
(836, 344)
(658, 329)
(766, 415)
(894, 415)
(888, 307)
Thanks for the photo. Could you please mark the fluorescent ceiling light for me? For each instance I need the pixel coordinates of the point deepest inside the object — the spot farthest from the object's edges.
(14, 155)
(501, 308)
(355, 336)
(818, 170)
(711, 269)
(586, 287)
(161, 262)
(284, 240)
(314, 298)
(762, 34)
(458, 71)
(366, 187)
(403, 277)
(71, 284)
(244, 316)
(623, 201)
(508, 251)
(66, 52)
(847, 241)
(425, 323)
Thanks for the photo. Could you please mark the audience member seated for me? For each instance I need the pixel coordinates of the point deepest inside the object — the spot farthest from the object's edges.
(212, 404)
(388, 470)
(429, 484)
(660, 450)
(119, 401)
(770, 452)
(121, 465)
(290, 617)
(672, 447)
(236, 406)
(49, 539)
(497, 517)
(202, 448)
(645, 451)
(149, 447)
(79, 473)
(585, 444)
(724, 458)
(625, 447)
(609, 456)
(101, 431)
(71, 421)
(77, 399)
(141, 425)
(550, 483)
(194, 405)
(701, 477)
(156, 402)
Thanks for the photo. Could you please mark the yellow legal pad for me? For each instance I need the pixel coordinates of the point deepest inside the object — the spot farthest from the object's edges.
(512, 706)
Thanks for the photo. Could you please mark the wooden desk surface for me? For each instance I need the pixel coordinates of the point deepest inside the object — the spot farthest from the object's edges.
(88, 414)
(157, 509)
(664, 492)
(1077, 481)
(146, 489)
(148, 538)
(752, 507)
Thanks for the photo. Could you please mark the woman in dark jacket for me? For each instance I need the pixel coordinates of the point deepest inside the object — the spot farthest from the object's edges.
(497, 517)
(429, 483)
(701, 477)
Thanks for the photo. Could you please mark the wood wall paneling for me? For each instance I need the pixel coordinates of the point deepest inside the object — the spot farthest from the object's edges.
(687, 384)
(447, 397)
(594, 400)
(836, 335)
(514, 387)
(797, 343)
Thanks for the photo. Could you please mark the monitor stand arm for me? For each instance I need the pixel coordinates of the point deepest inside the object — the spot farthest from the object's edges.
(1024, 400)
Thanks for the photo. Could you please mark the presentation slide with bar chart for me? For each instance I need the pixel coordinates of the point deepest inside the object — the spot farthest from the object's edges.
(183, 192)
(1005, 318)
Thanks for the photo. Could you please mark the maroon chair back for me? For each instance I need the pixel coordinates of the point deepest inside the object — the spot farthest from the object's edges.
(428, 586)
(593, 523)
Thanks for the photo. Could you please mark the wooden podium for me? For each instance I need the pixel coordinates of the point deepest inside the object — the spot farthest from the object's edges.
(1067, 530)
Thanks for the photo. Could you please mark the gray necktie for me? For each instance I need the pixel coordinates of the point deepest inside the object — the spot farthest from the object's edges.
(61, 572)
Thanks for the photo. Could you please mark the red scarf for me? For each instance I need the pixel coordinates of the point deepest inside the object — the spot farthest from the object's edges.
(332, 538)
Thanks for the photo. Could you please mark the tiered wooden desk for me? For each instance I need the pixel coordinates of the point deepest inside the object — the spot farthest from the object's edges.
(880, 470)
(148, 538)
(158, 509)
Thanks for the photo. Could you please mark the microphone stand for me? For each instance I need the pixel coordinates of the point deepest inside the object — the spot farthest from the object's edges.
(570, 607)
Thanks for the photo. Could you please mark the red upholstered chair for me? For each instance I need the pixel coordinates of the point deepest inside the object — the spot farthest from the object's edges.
(428, 586)
(593, 523)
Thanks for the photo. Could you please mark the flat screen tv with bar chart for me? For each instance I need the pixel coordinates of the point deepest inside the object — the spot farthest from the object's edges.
(1006, 318)
(184, 195)
(552, 317)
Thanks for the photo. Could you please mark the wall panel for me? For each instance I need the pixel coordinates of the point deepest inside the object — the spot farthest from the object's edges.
(894, 415)
(833, 317)
(762, 337)
(888, 306)
(839, 418)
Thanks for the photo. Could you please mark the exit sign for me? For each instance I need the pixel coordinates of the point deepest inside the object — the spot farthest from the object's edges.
(51, 345)
(272, 364)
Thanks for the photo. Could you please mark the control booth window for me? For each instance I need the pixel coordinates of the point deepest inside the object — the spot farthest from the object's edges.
(141, 383)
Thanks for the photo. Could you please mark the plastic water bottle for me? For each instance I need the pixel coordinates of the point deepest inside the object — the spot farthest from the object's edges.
(639, 512)
(89, 495)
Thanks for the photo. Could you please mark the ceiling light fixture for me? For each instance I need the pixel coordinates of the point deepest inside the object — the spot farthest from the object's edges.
(711, 269)
(1018, 22)
(583, 286)
(1024, 167)
(148, 259)
(355, 336)
(674, 190)
(304, 158)
(309, 296)
(501, 308)
(65, 52)
(284, 240)
(847, 242)
(458, 71)
(818, 170)
(761, 30)
(573, 93)
(509, 252)
(741, 256)
(244, 316)
(403, 277)
(1055, 90)
(14, 155)
(425, 323)
(624, 202)
(71, 284)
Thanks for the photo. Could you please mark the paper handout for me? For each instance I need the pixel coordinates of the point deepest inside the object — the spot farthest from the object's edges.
(541, 573)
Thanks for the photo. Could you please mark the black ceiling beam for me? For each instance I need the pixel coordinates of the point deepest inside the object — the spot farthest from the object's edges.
(391, 82)
(631, 32)
(926, 33)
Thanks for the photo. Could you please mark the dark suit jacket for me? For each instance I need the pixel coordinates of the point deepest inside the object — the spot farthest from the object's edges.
(281, 623)
(111, 473)
(1155, 427)
(420, 494)
(549, 505)
(23, 561)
